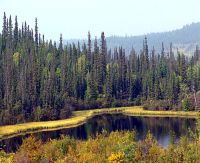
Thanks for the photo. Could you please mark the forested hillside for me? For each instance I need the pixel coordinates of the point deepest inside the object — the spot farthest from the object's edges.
(185, 39)
(42, 80)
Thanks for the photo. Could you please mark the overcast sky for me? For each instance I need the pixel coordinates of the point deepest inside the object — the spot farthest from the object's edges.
(73, 18)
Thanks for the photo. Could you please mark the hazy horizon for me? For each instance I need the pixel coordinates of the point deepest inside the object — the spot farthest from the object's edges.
(115, 17)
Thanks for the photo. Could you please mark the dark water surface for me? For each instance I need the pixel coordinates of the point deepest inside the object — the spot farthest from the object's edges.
(160, 127)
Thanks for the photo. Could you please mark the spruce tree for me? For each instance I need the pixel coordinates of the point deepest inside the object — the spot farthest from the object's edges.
(16, 35)
(36, 36)
(146, 54)
(89, 53)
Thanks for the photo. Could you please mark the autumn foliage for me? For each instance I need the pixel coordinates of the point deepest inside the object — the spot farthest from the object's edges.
(116, 147)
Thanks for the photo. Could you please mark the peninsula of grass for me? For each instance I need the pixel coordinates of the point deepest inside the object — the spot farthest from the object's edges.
(80, 117)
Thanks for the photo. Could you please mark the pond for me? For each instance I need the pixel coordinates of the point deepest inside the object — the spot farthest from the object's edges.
(160, 127)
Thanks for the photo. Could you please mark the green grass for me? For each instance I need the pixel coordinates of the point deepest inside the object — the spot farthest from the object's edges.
(80, 117)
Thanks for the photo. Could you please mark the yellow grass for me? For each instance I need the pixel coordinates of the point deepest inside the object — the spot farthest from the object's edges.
(80, 117)
(140, 111)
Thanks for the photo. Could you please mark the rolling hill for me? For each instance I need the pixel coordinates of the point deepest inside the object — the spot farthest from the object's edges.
(185, 39)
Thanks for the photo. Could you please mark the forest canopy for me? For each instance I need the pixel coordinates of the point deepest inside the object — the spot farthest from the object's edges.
(44, 80)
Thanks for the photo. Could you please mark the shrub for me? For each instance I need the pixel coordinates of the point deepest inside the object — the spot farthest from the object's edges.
(6, 158)
(6, 117)
(157, 105)
(56, 149)
(126, 145)
(49, 113)
(22, 158)
(63, 144)
(30, 149)
(115, 147)
(116, 157)
(186, 105)
(38, 113)
(148, 149)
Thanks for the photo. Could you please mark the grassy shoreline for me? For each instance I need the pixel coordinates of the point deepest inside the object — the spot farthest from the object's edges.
(81, 117)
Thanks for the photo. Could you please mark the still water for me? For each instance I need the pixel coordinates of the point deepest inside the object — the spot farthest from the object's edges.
(160, 127)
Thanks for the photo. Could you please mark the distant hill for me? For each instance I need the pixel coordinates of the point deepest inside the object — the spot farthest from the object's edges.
(185, 39)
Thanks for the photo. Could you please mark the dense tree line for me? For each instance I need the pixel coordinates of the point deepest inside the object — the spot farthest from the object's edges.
(42, 80)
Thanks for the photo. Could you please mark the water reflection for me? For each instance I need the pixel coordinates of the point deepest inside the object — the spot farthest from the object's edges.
(160, 127)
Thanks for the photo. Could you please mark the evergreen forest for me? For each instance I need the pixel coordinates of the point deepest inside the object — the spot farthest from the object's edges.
(46, 80)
